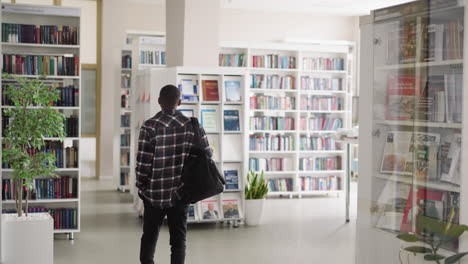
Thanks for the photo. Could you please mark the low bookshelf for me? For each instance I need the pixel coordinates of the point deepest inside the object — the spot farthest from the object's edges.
(59, 196)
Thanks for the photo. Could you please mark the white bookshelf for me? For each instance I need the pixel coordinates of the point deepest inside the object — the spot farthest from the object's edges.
(47, 15)
(137, 45)
(345, 50)
(229, 146)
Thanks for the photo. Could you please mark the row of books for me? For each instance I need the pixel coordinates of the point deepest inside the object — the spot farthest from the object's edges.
(125, 80)
(125, 140)
(261, 81)
(71, 157)
(266, 102)
(124, 178)
(64, 218)
(41, 65)
(274, 61)
(271, 164)
(310, 143)
(321, 103)
(125, 120)
(65, 158)
(321, 84)
(39, 34)
(72, 126)
(209, 210)
(270, 142)
(68, 96)
(326, 183)
(232, 60)
(64, 187)
(189, 90)
(125, 99)
(440, 99)
(323, 64)
(127, 61)
(155, 57)
(281, 185)
(320, 163)
(272, 123)
(125, 158)
(320, 123)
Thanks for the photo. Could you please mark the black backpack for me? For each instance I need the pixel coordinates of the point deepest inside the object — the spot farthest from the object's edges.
(200, 176)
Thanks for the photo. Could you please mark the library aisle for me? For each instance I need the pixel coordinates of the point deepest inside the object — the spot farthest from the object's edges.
(297, 230)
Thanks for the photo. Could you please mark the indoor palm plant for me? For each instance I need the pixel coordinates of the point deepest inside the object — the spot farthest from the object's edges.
(31, 120)
(256, 189)
(436, 234)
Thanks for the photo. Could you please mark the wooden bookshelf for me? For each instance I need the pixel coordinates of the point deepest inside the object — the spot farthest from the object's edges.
(44, 15)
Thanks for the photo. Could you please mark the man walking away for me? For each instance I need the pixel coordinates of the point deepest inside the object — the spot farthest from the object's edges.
(165, 141)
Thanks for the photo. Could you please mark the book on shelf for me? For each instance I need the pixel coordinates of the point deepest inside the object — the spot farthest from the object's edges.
(125, 80)
(125, 120)
(321, 103)
(281, 185)
(261, 81)
(192, 215)
(323, 64)
(232, 60)
(124, 179)
(325, 183)
(274, 61)
(153, 57)
(210, 209)
(64, 187)
(39, 34)
(189, 90)
(320, 163)
(125, 99)
(187, 112)
(125, 140)
(68, 95)
(71, 126)
(310, 83)
(125, 159)
(408, 153)
(272, 123)
(231, 208)
(231, 120)
(271, 164)
(63, 218)
(318, 143)
(127, 61)
(320, 123)
(232, 91)
(450, 159)
(71, 155)
(270, 142)
(41, 65)
(232, 179)
(268, 102)
(402, 94)
(210, 90)
(209, 120)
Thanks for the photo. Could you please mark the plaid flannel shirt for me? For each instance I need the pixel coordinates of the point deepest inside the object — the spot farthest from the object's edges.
(165, 141)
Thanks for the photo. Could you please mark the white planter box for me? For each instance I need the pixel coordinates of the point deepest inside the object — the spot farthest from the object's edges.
(27, 239)
(254, 211)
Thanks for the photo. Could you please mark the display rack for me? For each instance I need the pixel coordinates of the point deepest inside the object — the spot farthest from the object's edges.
(141, 51)
(290, 62)
(411, 129)
(228, 144)
(12, 45)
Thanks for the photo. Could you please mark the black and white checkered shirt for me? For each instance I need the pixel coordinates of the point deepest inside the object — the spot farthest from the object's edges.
(164, 143)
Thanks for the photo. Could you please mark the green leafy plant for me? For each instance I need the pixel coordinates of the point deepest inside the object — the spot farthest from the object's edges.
(256, 186)
(440, 232)
(31, 120)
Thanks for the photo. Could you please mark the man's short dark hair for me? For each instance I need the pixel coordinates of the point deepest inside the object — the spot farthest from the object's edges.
(169, 95)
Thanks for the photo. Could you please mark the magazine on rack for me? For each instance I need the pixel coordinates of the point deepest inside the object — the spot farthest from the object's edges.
(450, 153)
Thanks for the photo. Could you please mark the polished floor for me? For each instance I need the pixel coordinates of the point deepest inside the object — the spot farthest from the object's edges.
(294, 231)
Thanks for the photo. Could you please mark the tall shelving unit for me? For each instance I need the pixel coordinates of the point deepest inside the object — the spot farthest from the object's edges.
(293, 72)
(142, 50)
(229, 146)
(44, 15)
(412, 118)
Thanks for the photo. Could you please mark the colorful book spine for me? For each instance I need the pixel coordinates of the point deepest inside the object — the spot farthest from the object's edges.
(39, 34)
(281, 185)
(265, 102)
(272, 123)
(274, 61)
(320, 163)
(321, 103)
(273, 82)
(326, 183)
(323, 64)
(269, 142)
(321, 84)
(127, 61)
(152, 57)
(232, 60)
(312, 143)
(271, 164)
(41, 65)
(320, 123)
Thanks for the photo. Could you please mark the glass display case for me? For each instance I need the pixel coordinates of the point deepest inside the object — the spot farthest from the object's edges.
(413, 124)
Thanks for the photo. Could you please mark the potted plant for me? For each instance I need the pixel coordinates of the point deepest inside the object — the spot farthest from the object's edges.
(256, 189)
(23, 144)
(434, 234)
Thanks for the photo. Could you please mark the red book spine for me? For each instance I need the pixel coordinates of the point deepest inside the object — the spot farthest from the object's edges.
(77, 66)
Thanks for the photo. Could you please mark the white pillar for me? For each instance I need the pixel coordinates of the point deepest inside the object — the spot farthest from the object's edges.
(192, 28)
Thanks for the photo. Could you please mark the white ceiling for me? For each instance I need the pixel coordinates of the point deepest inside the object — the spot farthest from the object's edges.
(338, 7)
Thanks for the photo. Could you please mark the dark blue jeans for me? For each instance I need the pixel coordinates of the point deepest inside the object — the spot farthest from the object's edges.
(152, 221)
